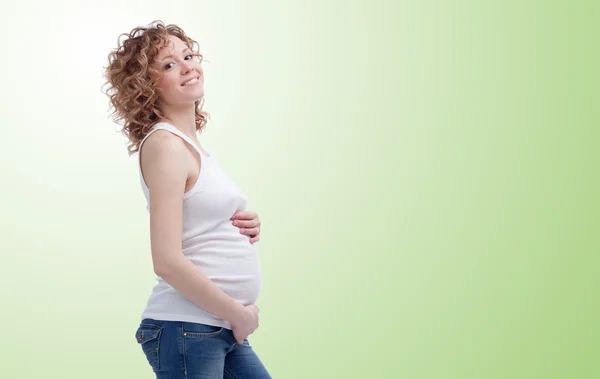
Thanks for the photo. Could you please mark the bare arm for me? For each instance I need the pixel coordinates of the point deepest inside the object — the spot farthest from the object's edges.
(165, 167)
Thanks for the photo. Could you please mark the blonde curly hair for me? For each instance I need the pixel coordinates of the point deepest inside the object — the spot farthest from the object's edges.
(131, 80)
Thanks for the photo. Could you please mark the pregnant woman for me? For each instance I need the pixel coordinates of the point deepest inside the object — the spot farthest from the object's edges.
(200, 313)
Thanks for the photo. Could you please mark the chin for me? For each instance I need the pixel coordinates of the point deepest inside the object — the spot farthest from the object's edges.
(200, 96)
(195, 96)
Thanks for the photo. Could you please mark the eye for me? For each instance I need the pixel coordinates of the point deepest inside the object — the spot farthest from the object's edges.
(187, 57)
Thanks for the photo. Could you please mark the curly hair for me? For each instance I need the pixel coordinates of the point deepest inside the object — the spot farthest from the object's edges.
(132, 80)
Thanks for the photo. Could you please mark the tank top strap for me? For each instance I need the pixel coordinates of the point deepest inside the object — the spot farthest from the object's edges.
(165, 126)
(174, 130)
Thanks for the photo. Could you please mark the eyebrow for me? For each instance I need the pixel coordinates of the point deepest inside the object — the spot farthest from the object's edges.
(170, 55)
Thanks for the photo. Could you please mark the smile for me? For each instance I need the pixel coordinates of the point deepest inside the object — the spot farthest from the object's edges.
(191, 82)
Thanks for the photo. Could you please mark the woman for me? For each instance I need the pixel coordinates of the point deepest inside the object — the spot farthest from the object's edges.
(202, 309)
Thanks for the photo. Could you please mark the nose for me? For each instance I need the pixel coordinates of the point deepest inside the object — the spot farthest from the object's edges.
(186, 68)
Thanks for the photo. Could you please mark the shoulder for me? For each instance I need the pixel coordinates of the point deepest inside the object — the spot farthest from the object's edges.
(163, 157)
(163, 142)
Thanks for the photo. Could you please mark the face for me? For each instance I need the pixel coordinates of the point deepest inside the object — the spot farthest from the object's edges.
(182, 80)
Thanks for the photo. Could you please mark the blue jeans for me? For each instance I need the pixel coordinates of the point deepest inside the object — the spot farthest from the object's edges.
(178, 350)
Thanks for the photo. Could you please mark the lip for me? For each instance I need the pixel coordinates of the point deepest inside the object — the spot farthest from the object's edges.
(192, 78)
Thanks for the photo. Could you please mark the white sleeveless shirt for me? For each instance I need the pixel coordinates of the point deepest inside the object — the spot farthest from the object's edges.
(210, 241)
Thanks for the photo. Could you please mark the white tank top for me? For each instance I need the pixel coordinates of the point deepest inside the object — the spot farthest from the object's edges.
(210, 241)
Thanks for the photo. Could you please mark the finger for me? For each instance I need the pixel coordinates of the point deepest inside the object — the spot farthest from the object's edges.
(244, 215)
(237, 337)
(250, 231)
(246, 223)
(254, 239)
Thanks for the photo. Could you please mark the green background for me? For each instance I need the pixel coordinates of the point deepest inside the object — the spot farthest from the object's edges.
(426, 173)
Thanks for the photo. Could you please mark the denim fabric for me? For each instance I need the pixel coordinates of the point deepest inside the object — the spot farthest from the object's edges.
(189, 350)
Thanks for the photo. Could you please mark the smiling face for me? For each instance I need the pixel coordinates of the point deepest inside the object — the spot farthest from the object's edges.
(182, 79)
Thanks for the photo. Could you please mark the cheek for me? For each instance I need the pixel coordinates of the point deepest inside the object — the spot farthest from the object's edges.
(168, 83)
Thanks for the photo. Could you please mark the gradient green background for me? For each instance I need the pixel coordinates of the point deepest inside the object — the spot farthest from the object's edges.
(426, 173)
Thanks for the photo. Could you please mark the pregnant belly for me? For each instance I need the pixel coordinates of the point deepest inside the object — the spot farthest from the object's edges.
(229, 260)
(243, 289)
(234, 269)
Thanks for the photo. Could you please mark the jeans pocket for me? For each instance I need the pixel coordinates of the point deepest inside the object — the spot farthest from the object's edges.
(148, 337)
(195, 330)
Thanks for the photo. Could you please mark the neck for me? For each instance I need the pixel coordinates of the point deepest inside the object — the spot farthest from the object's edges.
(183, 118)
